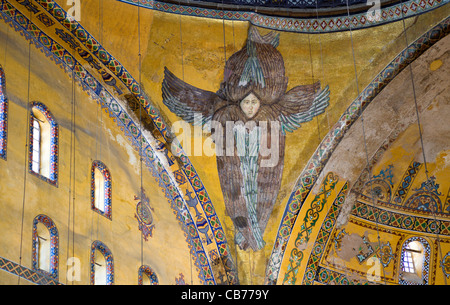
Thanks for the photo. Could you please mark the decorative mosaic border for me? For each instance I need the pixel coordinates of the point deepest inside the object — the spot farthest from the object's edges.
(3, 115)
(108, 188)
(54, 152)
(308, 177)
(26, 273)
(98, 245)
(396, 220)
(312, 267)
(299, 25)
(150, 273)
(95, 89)
(54, 248)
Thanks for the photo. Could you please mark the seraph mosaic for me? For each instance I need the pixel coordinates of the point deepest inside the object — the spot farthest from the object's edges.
(248, 118)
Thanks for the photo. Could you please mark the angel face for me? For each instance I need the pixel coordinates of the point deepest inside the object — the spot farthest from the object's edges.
(250, 105)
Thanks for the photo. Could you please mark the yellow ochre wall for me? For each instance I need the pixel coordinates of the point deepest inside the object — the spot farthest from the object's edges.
(97, 137)
(193, 48)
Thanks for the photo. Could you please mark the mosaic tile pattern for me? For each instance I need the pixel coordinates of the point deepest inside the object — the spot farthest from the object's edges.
(312, 267)
(3, 115)
(54, 246)
(300, 25)
(315, 165)
(54, 151)
(98, 245)
(26, 273)
(146, 270)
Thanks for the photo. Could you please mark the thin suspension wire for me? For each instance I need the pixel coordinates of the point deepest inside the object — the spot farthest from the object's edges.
(140, 124)
(315, 93)
(319, 35)
(182, 73)
(420, 129)
(74, 169)
(26, 151)
(70, 177)
(364, 133)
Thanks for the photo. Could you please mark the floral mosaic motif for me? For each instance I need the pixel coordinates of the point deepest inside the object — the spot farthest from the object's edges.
(426, 197)
(309, 221)
(54, 246)
(144, 215)
(445, 264)
(3, 115)
(180, 280)
(385, 254)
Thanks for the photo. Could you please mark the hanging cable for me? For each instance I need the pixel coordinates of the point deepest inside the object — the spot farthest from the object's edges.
(363, 133)
(70, 174)
(420, 132)
(315, 93)
(28, 108)
(140, 125)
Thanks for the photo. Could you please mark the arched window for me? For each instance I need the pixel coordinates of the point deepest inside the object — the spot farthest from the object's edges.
(147, 276)
(415, 257)
(102, 265)
(45, 246)
(3, 115)
(43, 151)
(101, 189)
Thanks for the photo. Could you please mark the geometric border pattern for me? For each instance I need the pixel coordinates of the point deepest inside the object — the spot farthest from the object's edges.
(324, 234)
(26, 273)
(300, 25)
(323, 152)
(3, 115)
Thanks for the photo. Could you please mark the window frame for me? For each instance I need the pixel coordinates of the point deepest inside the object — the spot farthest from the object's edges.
(52, 142)
(145, 270)
(53, 244)
(425, 264)
(103, 249)
(107, 187)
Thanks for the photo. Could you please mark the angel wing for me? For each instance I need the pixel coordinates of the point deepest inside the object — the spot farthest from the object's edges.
(187, 101)
(301, 104)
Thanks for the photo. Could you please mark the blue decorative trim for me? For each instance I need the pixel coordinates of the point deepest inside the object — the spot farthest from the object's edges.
(54, 152)
(54, 246)
(300, 25)
(98, 245)
(108, 188)
(3, 115)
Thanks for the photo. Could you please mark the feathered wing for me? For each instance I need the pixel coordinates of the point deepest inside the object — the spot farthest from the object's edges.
(187, 101)
(301, 104)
